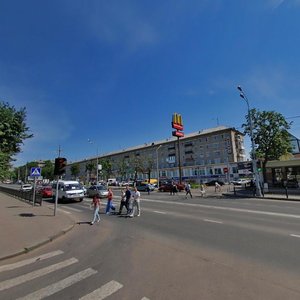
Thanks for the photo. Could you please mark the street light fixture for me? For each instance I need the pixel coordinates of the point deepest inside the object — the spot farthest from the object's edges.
(157, 170)
(254, 166)
(97, 162)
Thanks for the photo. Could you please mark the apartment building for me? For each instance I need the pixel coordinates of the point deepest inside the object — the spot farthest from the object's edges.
(200, 156)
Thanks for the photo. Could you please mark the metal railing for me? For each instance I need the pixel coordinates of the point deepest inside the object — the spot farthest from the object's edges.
(27, 196)
(251, 191)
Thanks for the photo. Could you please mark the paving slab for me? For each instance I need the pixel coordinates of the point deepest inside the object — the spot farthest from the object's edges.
(24, 227)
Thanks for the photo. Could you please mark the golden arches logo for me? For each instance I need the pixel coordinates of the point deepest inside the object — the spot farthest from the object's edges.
(177, 119)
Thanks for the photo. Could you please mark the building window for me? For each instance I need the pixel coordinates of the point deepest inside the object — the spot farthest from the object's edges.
(188, 145)
(189, 152)
(218, 171)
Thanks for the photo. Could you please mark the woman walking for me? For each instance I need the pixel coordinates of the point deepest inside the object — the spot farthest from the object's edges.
(96, 205)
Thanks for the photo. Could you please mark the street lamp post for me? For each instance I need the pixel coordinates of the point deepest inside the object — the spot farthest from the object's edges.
(97, 162)
(254, 166)
(157, 170)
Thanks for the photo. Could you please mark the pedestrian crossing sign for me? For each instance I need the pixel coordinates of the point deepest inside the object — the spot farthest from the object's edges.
(35, 171)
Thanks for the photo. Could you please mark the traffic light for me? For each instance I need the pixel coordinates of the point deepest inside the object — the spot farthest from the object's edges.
(60, 166)
(259, 166)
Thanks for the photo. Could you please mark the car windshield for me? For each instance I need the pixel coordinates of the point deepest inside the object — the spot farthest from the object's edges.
(100, 187)
(72, 186)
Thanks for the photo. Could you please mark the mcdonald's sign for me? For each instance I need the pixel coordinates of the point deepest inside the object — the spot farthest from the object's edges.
(177, 122)
(177, 133)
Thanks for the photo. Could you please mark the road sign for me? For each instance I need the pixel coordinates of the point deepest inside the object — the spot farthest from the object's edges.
(35, 171)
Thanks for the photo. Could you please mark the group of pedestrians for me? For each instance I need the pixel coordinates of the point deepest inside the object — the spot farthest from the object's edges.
(129, 199)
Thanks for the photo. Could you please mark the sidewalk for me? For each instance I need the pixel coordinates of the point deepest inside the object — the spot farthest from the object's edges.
(227, 191)
(24, 227)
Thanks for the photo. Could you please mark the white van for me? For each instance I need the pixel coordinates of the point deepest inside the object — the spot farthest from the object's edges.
(68, 190)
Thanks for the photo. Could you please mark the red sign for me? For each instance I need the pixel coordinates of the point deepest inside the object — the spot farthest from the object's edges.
(178, 133)
(177, 126)
(225, 170)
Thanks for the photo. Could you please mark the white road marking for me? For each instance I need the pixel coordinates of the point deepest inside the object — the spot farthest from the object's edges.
(145, 298)
(60, 285)
(35, 274)
(64, 211)
(227, 208)
(213, 221)
(72, 208)
(104, 291)
(295, 235)
(159, 212)
(29, 261)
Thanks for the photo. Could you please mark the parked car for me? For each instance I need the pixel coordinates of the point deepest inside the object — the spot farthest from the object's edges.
(241, 181)
(45, 191)
(143, 186)
(167, 187)
(26, 187)
(213, 182)
(97, 189)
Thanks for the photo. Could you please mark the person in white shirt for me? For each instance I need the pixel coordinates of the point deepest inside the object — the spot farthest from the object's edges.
(136, 203)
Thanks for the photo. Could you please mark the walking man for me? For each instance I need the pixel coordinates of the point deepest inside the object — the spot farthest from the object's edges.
(123, 201)
(136, 203)
(127, 199)
(188, 190)
(96, 205)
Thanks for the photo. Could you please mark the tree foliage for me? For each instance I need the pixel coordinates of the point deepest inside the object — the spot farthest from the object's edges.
(270, 135)
(106, 168)
(13, 131)
(75, 170)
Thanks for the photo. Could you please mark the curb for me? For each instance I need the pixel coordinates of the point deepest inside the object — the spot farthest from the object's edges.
(39, 244)
(264, 198)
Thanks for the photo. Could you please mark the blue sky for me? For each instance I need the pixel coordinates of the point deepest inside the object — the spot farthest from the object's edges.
(114, 72)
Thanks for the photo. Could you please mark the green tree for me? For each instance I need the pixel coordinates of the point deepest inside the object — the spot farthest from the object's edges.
(270, 134)
(106, 168)
(48, 170)
(123, 168)
(13, 131)
(4, 166)
(89, 168)
(148, 166)
(75, 170)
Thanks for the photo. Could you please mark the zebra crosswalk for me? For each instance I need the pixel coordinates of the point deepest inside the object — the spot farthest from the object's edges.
(8, 284)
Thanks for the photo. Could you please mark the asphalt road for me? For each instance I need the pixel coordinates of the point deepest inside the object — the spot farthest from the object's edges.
(200, 248)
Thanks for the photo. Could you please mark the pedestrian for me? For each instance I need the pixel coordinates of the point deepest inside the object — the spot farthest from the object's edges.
(188, 190)
(96, 206)
(123, 201)
(148, 189)
(127, 199)
(217, 187)
(136, 203)
(202, 189)
(109, 204)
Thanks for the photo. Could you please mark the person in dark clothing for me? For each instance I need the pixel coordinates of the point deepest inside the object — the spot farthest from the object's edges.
(123, 201)
(127, 198)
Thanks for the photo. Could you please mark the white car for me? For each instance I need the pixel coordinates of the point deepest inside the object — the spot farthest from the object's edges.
(241, 181)
(26, 187)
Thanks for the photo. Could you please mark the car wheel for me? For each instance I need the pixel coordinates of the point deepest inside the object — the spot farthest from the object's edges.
(81, 199)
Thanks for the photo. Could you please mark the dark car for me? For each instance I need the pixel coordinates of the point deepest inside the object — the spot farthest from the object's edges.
(144, 187)
(213, 183)
(168, 187)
